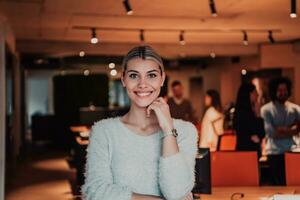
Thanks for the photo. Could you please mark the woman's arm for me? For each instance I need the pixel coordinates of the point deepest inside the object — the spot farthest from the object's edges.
(98, 177)
(177, 162)
(176, 172)
(144, 197)
(217, 125)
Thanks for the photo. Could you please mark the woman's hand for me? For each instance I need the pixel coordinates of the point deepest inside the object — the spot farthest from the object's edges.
(188, 197)
(162, 112)
(255, 139)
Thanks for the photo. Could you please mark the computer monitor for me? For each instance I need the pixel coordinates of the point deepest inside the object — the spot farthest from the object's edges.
(202, 172)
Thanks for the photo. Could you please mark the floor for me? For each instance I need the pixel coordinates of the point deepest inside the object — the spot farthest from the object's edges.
(44, 173)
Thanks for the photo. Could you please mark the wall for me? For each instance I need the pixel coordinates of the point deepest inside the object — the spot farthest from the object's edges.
(230, 75)
(6, 38)
(2, 111)
(210, 76)
(39, 87)
(286, 56)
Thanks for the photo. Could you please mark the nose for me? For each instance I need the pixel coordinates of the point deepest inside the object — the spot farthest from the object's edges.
(142, 83)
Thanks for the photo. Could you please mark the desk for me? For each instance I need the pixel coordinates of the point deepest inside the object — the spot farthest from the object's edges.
(250, 193)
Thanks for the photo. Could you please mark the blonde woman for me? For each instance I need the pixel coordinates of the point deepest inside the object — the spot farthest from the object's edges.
(145, 154)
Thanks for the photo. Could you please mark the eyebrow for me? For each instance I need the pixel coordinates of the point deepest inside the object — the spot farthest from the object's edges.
(131, 70)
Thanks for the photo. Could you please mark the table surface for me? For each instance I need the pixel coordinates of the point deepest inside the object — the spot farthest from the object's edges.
(250, 193)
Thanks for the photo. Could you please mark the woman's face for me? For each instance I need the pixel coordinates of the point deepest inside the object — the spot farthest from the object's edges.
(207, 101)
(143, 80)
(253, 96)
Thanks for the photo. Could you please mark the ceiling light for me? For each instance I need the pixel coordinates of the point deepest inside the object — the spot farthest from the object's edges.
(245, 39)
(86, 72)
(244, 72)
(94, 39)
(111, 65)
(293, 13)
(113, 72)
(270, 37)
(81, 53)
(127, 7)
(181, 38)
(212, 54)
(142, 37)
(213, 9)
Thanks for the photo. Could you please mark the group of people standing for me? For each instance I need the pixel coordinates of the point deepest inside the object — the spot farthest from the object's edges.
(271, 129)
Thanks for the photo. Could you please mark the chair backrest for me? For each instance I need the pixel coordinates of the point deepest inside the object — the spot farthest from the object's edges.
(292, 164)
(227, 142)
(234, 168)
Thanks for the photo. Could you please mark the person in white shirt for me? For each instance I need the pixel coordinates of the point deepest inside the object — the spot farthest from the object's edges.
(212, 122)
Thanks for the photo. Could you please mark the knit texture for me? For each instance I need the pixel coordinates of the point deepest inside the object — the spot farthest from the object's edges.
(120, 162)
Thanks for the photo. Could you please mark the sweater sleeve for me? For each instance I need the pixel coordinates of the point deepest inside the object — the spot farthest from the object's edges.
(268, 122)
(176, 172)
(98, 176)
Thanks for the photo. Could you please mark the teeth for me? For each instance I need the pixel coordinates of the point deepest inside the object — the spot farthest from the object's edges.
(143, 94)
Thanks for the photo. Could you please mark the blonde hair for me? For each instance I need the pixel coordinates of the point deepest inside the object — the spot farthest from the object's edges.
(145, 53)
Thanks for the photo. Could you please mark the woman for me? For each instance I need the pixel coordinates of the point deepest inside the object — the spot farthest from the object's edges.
(139, 156)
(247, 123)
(212, 122)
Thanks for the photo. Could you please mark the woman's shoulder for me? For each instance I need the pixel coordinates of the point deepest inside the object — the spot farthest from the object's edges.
(213, 113)
(100, 127)
(106, 122)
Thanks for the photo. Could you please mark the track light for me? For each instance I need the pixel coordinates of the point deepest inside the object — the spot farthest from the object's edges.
(142, 38)
(127, 7)
(270, 37)
(94, 39)
(245, 40)
(293, 13)
(212, 54)
(181, 38)
(213, 9)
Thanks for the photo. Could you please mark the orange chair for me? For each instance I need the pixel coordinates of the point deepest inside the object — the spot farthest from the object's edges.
(227, 142)
(234, 169)
(292, 163)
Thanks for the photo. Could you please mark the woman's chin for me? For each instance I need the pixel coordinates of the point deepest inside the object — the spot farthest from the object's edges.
(143, 104)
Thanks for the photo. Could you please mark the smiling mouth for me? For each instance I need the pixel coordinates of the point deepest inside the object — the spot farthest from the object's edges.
(143, 94)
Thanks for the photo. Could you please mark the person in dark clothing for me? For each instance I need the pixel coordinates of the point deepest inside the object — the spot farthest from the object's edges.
(180, 107)
(248, 125)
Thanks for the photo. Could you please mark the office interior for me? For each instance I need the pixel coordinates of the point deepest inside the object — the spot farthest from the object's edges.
(61, 65)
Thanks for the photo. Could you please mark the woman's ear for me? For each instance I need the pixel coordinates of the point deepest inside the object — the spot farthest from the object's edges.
(163, 78)
(122, 80)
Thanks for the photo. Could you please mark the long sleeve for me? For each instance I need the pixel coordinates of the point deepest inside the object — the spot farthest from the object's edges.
(98, 178)
(268, 123)
(176, 173)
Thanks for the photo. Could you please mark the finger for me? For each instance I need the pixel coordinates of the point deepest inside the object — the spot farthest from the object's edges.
(148, 111)
(191, 196)
(153, 106)
(160, 99)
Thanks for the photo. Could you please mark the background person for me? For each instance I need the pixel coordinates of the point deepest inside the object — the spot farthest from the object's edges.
(281, 118)
(212, 122)
(248, 125)
(180, 107)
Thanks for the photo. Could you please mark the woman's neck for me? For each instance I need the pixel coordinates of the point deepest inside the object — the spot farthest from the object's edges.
(137, 117)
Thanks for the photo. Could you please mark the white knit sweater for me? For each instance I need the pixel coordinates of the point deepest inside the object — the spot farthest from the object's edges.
(120, 162)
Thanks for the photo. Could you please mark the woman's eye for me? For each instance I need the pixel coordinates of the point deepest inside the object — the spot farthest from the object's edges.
(152, 75)
(132, 76)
